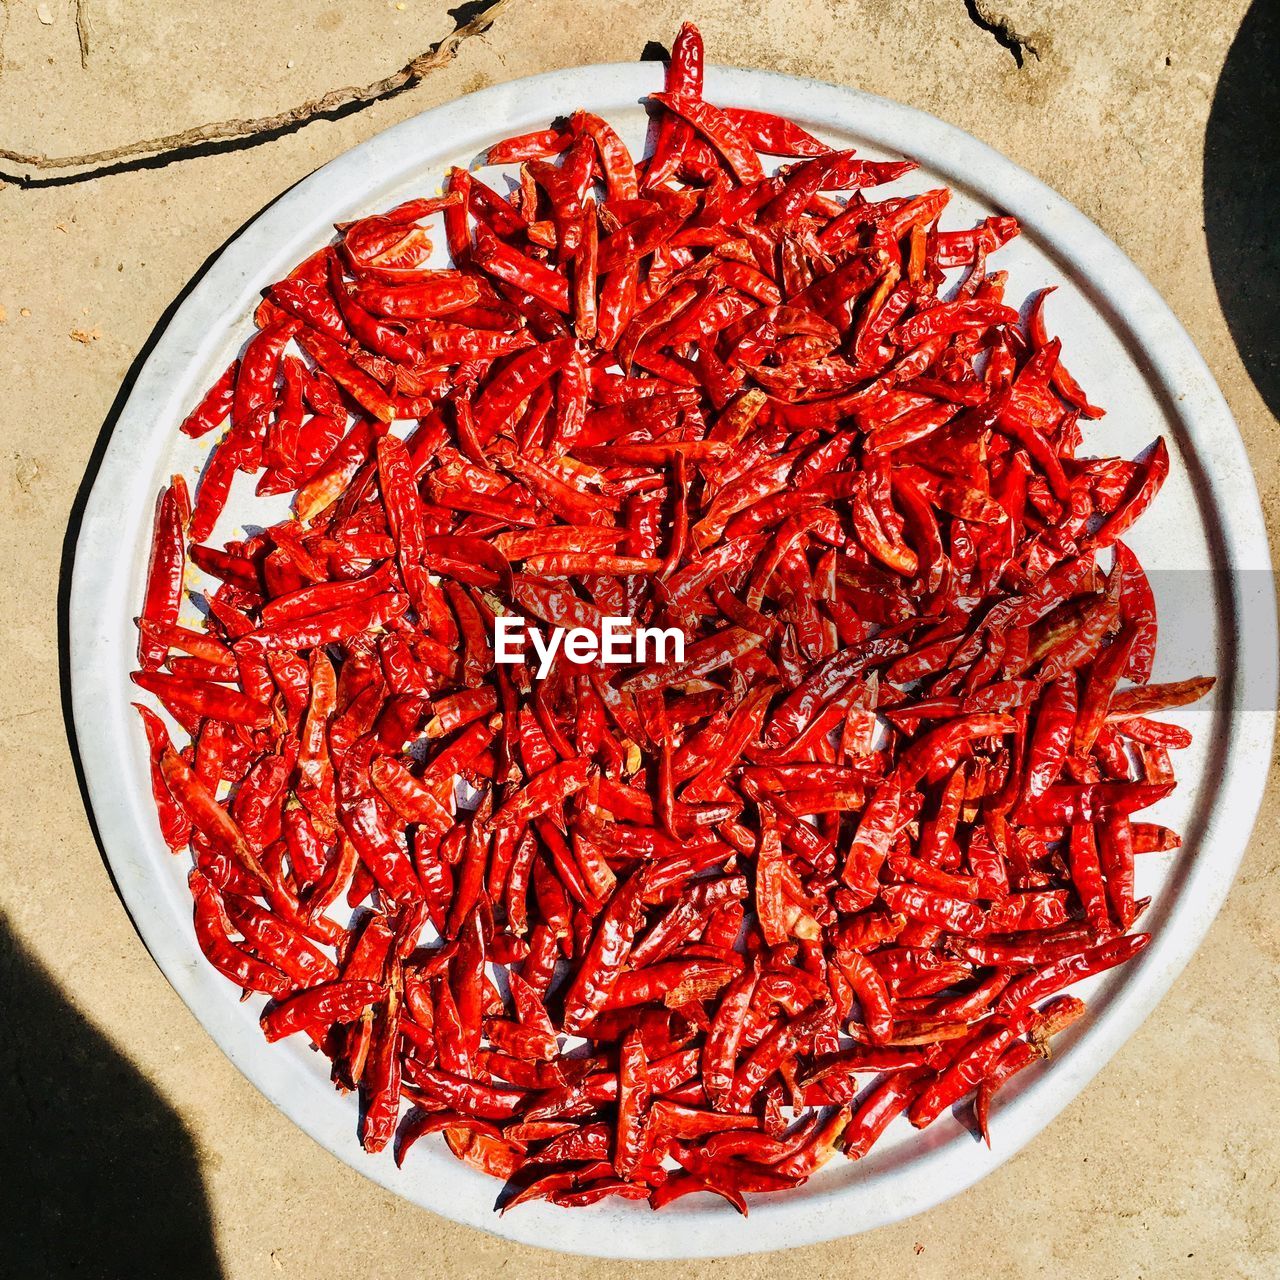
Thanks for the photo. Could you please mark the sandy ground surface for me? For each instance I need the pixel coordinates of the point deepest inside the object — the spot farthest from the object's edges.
(132, 1146)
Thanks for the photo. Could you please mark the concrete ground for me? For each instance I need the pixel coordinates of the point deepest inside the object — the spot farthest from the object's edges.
(130, 1145)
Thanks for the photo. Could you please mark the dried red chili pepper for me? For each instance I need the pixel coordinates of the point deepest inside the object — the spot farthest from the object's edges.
(879, 809)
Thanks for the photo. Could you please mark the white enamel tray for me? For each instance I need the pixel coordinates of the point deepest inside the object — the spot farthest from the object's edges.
(1204, 543)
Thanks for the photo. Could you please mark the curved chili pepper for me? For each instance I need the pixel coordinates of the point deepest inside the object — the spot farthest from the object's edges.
(331, 358)
(1051, 979)
(214, 406)
(963, 1074)
(319, 1008)
(213, 931)
(380, 848)
(718, 130)
(684, 75)
(1154, 472)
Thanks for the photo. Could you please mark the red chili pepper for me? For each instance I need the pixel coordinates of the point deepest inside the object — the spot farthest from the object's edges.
(963, 1073)
(165, 570)
(333, 361)
(504, 263)
(213, 931)
(775, 135)
(718, 130)
(884, 795)
(319, 1008)
(281, 944)
(213, 409)
(1154, 471)
(1051, 979)
(603, 959)
(313, 304)
(1056, 725)
(1158, 697)
(436, 294)
(203, 698)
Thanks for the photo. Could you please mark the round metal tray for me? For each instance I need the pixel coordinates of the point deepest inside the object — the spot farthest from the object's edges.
(1203, 542)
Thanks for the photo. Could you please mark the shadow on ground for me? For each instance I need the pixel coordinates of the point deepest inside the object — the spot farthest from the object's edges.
(100, 1174)
(1241, 173)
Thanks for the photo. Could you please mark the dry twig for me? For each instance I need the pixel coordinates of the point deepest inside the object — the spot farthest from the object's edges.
(335, 100)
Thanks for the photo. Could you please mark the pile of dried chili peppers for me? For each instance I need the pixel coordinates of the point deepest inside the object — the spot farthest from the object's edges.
(837, 864)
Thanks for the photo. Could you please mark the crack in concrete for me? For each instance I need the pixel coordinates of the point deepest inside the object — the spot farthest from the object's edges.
(1003, 31)
(84, 31)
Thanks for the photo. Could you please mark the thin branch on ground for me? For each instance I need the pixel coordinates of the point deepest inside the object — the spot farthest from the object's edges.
(335, 102)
